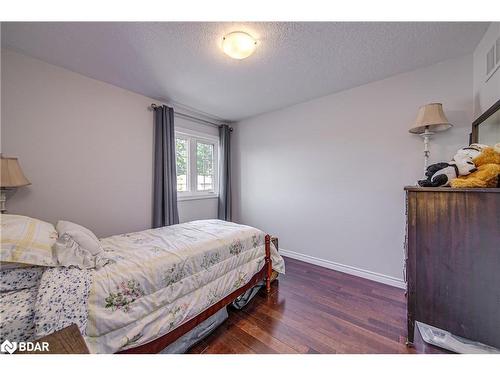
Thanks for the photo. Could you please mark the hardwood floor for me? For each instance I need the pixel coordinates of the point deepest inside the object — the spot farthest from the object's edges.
(316, 310)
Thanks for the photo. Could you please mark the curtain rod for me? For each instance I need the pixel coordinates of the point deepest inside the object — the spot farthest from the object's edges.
(189, 117)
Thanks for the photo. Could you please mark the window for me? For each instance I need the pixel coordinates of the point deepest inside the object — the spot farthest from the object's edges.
(205, 166)
(181, 158)
(196, 157)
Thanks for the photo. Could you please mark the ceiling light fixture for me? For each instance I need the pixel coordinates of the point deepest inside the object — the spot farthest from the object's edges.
(238, 45)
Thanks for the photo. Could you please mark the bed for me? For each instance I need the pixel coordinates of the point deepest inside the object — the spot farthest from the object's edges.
(158, 285)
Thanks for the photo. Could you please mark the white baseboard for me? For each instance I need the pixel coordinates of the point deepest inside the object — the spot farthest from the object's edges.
(370, 275)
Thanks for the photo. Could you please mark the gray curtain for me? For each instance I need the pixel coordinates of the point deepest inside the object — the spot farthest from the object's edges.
(165, 177)
(224, 211)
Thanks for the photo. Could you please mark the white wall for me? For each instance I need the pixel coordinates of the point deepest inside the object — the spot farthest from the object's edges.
(86, 146)
(327, 176)
(486, 93)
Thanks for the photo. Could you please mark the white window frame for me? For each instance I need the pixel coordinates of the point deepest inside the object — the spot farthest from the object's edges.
(193, 137)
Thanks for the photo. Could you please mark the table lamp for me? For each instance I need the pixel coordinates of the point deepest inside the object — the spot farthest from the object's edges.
(11, 178)
(430, 120)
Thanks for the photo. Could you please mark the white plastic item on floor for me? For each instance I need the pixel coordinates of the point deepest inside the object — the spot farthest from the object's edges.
(198, 333)
(448, 341)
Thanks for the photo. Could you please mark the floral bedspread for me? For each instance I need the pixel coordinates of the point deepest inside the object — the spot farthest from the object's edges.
(158, 279)
(162, 277)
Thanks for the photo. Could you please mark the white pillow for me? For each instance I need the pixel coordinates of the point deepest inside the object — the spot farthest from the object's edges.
(78, 246)
(82, 236)
(26, 241)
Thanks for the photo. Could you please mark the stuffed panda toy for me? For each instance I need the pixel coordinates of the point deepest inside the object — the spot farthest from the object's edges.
(440, 174)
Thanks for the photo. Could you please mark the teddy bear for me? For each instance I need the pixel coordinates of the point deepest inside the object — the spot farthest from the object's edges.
(488, 170)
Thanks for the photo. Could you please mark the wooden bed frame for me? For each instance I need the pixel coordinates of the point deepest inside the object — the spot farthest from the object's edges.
(162, 342)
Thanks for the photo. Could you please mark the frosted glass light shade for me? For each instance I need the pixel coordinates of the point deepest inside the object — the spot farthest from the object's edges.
(238, 45)
(432, 117)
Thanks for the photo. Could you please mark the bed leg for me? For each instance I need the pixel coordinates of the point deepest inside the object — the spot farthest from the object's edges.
(269, 265)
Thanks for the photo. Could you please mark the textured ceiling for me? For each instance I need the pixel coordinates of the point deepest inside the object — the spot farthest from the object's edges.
(183, 62)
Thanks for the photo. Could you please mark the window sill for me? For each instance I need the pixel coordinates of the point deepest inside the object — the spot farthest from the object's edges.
(196, 197)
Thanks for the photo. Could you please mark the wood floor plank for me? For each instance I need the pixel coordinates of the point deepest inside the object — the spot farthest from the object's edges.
(356, 316)
(343, 331)
(286, 331)
(255, 330)
(250, 341)
(312, 309)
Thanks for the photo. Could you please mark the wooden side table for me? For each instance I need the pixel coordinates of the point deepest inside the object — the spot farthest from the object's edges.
(68, 340)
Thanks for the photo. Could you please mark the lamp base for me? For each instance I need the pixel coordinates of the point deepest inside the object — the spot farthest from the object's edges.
(3, 201)
(426, 135)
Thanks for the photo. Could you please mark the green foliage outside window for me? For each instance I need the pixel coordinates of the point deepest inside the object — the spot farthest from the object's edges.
(204, 159)
(181, 156)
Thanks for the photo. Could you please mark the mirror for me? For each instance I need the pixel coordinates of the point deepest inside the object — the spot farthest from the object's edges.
(486, 129)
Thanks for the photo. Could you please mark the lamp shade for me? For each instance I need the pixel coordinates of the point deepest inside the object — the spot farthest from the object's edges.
(432, 117)
(12, 176)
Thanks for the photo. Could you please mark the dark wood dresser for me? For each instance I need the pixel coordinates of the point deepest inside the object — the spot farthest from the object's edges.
(453, 261)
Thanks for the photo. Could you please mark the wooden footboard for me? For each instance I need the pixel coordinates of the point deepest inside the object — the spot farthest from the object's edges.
(269, 263)
(162, 342)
